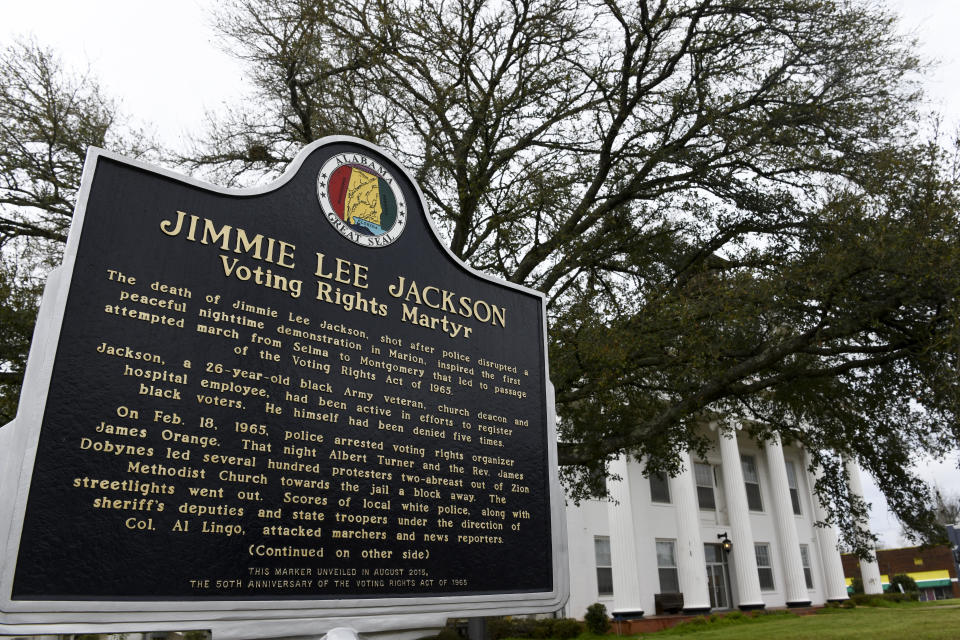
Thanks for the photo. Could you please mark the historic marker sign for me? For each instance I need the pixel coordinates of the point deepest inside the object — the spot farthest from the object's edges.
(288, 399)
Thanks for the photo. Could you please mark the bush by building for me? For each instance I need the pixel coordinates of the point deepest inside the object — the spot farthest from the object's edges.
(597, 619)
(884, 599)
(907, 583)
(537, 629)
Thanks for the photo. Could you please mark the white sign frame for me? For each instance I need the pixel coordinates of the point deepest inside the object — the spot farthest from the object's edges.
(229, 619)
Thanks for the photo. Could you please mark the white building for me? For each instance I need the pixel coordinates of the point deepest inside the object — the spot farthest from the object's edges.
(661, 536)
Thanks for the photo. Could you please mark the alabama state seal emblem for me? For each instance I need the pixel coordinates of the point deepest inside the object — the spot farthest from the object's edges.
(361, 199)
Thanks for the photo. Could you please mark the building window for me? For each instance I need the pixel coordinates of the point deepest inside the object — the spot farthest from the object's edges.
(805, 557)
(764, 568)
(601, 549)
(667, 567)
(794, 490)
(704, 477)
(659, 488)
(751, 481)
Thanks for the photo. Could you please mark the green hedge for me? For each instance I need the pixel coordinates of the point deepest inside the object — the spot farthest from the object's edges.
(883, 600)
(559, 629)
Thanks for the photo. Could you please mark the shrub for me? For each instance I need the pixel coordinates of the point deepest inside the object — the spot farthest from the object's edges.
(542, 629)
(902, 580)
(521, 628)
(882, 600)
(498, 628)
(566, 629)
(735, 615)
(896, 596)
(597, 619)
(857, 585)
(448, 633)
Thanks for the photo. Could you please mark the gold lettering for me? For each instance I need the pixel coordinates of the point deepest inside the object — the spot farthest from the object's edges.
(166, 224)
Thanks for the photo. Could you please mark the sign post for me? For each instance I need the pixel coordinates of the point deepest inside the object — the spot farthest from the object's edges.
(275, 412)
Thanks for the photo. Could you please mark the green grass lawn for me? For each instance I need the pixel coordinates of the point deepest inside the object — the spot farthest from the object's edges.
(890, 621)
(914, 621)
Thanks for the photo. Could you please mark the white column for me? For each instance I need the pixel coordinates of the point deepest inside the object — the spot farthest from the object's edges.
(835, 588)
(796, 585)
(869, 569)
(623, 543)
(743, 556)
(691, 562)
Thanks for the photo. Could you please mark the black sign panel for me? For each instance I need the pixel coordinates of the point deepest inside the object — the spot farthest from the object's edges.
(293, 394)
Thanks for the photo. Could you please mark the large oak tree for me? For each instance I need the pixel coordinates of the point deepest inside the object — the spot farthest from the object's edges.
(727, 203)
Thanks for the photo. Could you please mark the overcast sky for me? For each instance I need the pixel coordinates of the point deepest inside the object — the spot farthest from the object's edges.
(162, 61)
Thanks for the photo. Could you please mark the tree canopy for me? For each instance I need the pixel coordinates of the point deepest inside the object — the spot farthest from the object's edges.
(49, 117)
(730, 205)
